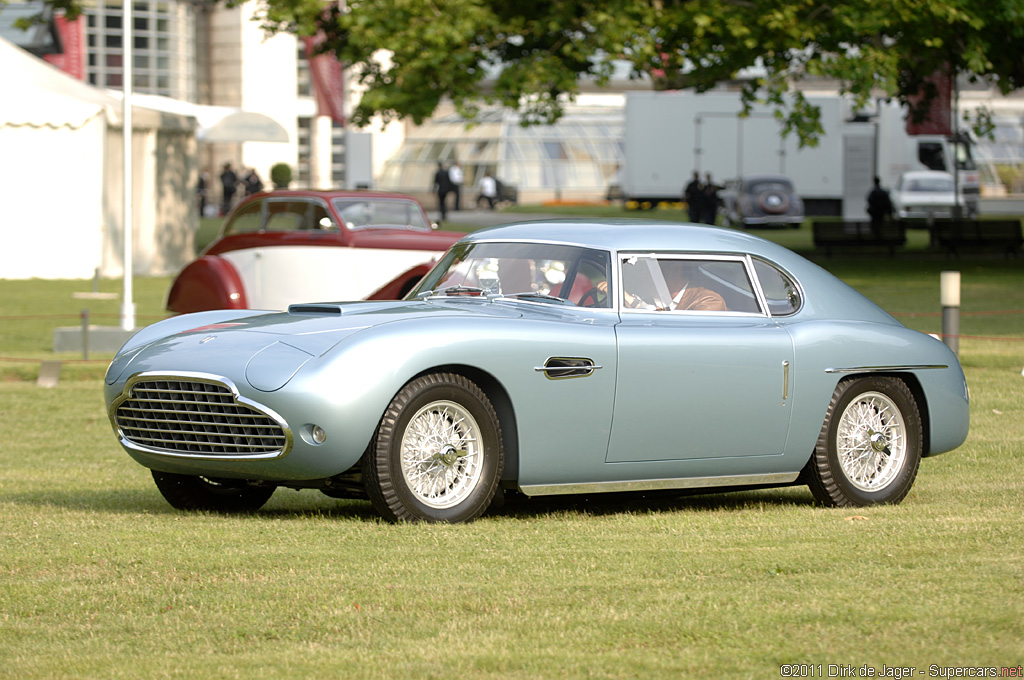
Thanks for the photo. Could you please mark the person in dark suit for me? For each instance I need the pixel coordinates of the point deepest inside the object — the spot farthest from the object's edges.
(442, 187)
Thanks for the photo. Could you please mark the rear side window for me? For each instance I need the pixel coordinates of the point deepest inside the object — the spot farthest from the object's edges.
(246, 220)
(289, 215)
(781, 292)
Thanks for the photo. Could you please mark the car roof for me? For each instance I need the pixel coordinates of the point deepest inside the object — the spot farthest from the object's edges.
(766, 177)
(633, 235)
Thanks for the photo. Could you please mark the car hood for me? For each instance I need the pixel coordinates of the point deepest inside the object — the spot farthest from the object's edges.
(268, 348)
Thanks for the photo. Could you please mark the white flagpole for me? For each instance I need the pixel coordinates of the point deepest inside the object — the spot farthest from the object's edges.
(127, 303)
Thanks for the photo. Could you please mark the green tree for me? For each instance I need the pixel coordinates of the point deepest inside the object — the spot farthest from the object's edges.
(530, 55)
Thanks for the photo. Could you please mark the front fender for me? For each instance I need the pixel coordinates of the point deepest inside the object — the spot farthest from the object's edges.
(210, 282)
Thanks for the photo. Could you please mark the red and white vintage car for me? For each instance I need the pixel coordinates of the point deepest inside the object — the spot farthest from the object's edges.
(282, 247)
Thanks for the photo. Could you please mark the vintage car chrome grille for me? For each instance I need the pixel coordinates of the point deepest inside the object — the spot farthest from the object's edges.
(193, 417)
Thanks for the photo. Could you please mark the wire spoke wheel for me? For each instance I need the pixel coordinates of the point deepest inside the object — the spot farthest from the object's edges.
(870, 445)
(441, 455)
(872, 441)
(437, 455)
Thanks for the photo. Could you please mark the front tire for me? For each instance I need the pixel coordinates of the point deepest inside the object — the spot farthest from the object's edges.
(188, 492)
(869, 448)
(437, 455)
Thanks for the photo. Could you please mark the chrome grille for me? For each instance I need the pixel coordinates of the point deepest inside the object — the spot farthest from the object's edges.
(195, 417)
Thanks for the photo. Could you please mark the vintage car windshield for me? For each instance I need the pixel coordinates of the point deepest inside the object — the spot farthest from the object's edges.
(380, 213)
(529, 271)
(931, 185)
(760, 186)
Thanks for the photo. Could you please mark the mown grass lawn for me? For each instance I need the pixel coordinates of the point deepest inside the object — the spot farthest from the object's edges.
(100, 578)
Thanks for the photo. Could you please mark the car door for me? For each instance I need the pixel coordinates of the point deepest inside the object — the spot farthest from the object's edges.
(708, 382)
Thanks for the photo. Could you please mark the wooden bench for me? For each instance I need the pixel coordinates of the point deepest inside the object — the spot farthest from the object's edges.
(954, 235)
(829, 235)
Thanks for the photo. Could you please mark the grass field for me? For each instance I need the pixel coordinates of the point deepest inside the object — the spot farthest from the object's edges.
(100, 578)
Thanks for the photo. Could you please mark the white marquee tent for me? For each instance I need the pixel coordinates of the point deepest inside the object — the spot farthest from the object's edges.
(61, 178)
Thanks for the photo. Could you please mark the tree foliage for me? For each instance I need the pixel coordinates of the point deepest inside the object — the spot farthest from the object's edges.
(532, 55)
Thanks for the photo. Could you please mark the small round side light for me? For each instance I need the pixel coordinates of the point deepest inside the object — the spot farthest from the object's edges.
(319, 436)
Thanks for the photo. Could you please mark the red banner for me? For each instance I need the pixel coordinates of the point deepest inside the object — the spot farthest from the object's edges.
(328, 82)
(939, 116)
(72, 59)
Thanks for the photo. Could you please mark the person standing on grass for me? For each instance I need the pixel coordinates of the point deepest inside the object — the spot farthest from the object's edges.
(455, 175)
(488, 190)
(692, 194)
(229, 184)
(879, 206)
(442, 187)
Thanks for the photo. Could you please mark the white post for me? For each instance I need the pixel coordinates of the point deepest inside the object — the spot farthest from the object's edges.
(127, 303)
(949, 285)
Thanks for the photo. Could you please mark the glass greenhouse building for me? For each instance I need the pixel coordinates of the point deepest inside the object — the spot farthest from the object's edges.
(575, 159)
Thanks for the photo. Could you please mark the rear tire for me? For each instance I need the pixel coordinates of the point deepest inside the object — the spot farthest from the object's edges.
(437, 455)
(869, 448)
(189, 492)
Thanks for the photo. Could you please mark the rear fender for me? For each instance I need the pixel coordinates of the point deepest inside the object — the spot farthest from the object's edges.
(210, 282)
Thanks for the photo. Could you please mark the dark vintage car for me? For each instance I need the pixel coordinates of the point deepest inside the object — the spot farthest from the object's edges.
(281, 247)
(547, 358)
(761, 200)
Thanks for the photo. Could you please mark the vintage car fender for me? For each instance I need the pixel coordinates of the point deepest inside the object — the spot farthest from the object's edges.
(929, 368)
(209, 279)
(396, 288)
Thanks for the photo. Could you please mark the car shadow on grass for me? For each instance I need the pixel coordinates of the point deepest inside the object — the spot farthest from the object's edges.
(284, 506)
(518, 505)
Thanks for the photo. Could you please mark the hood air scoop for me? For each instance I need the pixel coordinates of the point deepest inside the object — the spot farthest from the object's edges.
(316, 309)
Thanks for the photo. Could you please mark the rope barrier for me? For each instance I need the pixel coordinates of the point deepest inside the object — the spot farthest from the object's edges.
(1006, 312)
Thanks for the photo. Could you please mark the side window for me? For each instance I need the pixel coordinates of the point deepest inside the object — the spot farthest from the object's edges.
(930, 155)
(287, 215)
(357, 214)
(246, 220)
(782, 293)
(687, 285)
(321, 220)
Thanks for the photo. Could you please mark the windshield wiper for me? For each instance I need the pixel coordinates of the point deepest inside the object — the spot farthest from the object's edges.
(539, 296)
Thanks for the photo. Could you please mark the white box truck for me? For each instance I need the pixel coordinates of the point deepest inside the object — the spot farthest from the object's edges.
(669, 135)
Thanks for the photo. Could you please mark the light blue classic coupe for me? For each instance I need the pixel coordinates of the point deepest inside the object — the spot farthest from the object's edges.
(557, 357)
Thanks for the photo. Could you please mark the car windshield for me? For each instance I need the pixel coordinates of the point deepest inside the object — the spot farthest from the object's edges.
(380, 213)
(931, 185)
(761, 186)
(535, 272)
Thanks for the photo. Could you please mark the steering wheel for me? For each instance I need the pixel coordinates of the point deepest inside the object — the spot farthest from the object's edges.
(596, 296)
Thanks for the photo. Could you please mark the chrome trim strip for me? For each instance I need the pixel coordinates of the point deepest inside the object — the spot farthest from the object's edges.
(785, 380)
(657, 484)
(197, 377)
(868, 369)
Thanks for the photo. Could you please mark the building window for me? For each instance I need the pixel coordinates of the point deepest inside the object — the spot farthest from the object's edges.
(163, 47)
